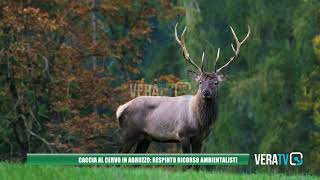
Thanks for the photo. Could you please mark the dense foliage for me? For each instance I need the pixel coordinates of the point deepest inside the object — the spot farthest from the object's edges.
(270, 102)
(62, 66)
(65, 67)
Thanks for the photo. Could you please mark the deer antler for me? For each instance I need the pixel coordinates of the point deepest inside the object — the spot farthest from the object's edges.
(237, 50)
(217, 58)
(185, 51)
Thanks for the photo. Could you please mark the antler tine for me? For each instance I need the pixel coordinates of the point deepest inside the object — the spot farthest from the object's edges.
(185, 51)
(247, 36)
(202, 58)
(218, 54)
(236, 39)
(176, 34)
(237, 49)
(184, 31)
(217, 58)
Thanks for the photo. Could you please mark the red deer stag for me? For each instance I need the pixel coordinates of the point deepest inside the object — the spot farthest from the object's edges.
(184, 119)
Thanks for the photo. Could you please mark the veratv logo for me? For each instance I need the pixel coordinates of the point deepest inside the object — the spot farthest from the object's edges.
(294, 158)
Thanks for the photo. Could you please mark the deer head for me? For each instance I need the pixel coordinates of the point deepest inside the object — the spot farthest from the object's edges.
(209, 81)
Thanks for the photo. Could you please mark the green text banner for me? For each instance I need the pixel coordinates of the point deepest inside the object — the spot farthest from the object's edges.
(138, 159)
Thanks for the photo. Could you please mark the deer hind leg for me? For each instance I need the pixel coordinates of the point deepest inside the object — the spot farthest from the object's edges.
(127, 146)
(186, 148)
(142, 146)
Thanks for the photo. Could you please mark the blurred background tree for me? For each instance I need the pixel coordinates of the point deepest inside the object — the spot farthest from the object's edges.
(62, 63)
(269, 102)
(65, 64)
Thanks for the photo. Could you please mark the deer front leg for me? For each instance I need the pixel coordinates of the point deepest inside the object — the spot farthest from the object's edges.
(196, 148)
(142, 146)
(186, 147)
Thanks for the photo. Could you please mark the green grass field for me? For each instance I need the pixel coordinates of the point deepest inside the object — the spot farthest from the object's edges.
(19, 171)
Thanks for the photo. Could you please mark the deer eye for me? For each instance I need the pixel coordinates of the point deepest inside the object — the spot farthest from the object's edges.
(200, 82)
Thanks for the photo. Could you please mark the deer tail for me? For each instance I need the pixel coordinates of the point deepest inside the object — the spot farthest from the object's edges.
(120, 111)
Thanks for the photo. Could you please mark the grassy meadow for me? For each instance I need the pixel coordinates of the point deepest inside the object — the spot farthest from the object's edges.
(22, 171)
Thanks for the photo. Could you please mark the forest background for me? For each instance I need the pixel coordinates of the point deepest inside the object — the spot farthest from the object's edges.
(65, 66)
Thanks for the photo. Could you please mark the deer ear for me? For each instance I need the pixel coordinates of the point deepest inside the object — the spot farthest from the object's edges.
(221, 77)
(194, 75)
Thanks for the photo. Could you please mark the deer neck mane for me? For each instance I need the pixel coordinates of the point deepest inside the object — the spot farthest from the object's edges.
(205, 110)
